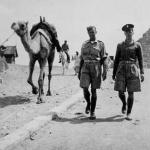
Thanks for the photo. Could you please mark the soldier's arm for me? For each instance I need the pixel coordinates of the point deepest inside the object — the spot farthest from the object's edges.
(140, 58)
(67, 47)
(80, 66)
(104, 60)
(116, 61)
(81, 62)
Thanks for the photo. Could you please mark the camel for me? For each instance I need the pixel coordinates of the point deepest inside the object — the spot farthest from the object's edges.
(40, 48)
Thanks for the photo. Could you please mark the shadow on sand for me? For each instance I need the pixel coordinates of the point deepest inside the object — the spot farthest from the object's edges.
(13, 100)
(56, 74)
(84, 119)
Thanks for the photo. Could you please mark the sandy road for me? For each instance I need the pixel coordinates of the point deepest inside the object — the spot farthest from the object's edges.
(110, 131)
(17, 103)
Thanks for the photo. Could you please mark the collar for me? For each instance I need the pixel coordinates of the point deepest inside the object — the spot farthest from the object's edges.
(92, 42)
(129, 43)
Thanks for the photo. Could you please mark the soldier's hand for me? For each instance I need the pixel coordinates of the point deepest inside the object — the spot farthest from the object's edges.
(113, 77)
(60, 52)
(1, 81)
(104, 76)
(79, 74)
(142, 77)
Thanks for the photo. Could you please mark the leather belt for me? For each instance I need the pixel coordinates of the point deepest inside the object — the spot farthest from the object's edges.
(91, 61)
(128, 61)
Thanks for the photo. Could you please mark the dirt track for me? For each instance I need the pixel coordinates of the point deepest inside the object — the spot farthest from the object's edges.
(110, 131)
(17, 103)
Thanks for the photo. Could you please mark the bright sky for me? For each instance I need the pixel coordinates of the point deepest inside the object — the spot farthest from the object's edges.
(71, 17)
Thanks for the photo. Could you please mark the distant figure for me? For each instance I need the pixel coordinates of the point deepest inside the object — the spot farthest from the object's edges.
(65, 48)
(76, 59)
(125, 71)
(3, 63)
(109, 61)
(64, 62)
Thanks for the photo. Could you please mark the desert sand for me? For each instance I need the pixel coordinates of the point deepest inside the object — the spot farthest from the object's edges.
(18, 104)
(73, 130)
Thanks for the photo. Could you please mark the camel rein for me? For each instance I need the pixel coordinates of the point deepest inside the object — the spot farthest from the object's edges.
(7, 38)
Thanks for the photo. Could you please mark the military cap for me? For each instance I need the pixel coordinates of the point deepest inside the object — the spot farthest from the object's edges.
(91, 28)
(128, 28)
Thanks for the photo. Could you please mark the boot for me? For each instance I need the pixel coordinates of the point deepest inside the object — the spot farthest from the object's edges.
(130, 105)
(87, 98)
(92, 116)
(68, 61)
(123, 100)
(59, 61)
(123, 110)
(128, 117)
(87, 109)
(93, 105)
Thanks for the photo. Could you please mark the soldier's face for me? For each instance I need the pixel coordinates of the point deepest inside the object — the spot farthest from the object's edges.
(129, 34)
(92, 34)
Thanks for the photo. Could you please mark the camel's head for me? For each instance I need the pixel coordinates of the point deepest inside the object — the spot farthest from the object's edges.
(21, 28)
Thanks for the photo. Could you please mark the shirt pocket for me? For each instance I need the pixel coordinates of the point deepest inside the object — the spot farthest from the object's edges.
(85, 68)
(120, 70)
(131, 53)
(95, 52)
(85, 50)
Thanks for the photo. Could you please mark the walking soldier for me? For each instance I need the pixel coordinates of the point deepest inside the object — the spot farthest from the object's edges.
(93, 56)
(125, 71)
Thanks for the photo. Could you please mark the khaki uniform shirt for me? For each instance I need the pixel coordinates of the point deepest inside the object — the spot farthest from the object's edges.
(93, 50)
(92, 53)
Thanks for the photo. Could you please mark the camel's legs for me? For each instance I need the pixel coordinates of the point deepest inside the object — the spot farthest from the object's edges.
(42, 63)
(43, 83)
(50, 63)
(29, 80)
(63, 66)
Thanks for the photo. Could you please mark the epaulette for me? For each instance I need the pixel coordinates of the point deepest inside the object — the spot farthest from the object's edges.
(121, 43)
(138, 43)
(100, 41)
(85, 42)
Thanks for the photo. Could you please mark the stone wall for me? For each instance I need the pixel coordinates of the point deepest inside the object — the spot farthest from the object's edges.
(145, 42)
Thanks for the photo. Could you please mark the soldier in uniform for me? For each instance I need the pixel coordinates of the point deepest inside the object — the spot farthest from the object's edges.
(92, 58)
(125, 71)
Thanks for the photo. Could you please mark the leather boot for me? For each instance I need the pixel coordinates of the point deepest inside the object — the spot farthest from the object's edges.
(123, 99)
(87, 109)
(87, 98)
(93, 105)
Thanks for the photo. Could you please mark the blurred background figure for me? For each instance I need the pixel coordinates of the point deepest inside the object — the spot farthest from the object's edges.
(109, 62)
(65, 48)
(3, 63)
(76, 59)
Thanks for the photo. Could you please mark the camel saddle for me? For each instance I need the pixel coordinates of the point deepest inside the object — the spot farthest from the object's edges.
(50, 29)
